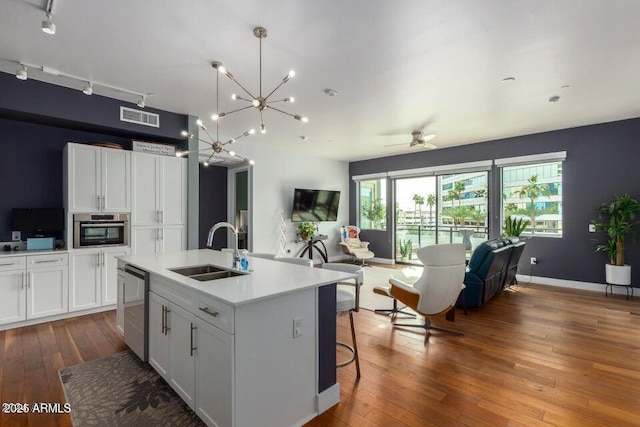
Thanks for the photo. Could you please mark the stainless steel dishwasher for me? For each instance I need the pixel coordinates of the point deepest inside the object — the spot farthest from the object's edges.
(135, 300)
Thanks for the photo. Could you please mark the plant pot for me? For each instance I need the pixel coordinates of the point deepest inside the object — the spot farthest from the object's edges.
(404, 259)
(618, 274)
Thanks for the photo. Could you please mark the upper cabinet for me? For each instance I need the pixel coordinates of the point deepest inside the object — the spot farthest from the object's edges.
(159, 190)
(98, 179)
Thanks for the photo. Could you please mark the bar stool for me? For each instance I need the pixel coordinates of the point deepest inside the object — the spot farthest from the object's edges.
(348, 301)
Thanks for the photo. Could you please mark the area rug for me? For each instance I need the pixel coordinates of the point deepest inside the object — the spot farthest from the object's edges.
(121, 390)
(379, 276)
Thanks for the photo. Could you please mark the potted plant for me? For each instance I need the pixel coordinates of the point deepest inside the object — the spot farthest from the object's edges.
(306, 230)
(405, 250)
(619, 221)
(513, 227)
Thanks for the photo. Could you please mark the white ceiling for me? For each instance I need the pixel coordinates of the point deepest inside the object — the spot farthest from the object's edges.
(395, 64)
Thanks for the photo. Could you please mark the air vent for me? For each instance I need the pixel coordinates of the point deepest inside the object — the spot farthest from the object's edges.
(139, 117)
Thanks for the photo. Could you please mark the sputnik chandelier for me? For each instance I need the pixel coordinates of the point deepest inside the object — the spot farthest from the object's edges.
(214, 143)
(259, 102)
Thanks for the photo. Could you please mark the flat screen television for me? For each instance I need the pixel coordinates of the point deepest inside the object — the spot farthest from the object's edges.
(315, 205)
(47, 222)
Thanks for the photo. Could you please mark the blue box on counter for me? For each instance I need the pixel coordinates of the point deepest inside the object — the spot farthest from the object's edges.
(41, 243)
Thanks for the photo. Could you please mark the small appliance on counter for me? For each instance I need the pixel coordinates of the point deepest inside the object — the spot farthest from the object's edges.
(41, 243)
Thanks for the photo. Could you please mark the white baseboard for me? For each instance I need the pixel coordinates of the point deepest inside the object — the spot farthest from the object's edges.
(328, 398)
(56, 317)
(572, 284)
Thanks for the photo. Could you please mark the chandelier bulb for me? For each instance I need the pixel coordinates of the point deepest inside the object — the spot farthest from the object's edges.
(289, 99)
(184, 133)
(263, 129)
(231, 141)
(222, 69)
(206, 163)
(179, 153)
(232, 153)
(234, 96)
(251, 162)
(251, 131)
(291, 74)
(215, 117)
(199, 123)
(304, 119)
(255, 103)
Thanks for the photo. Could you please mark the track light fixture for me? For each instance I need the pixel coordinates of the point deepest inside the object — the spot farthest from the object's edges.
(22, 73)
(49, 27)
(259, 102)
(214, 143)
(87, 85)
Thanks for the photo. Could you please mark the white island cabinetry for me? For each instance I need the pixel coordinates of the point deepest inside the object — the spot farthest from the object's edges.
(227, 346)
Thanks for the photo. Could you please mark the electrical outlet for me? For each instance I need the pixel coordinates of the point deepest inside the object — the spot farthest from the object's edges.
(592, 228)
(15, 236)
(288, 251)
(533, 260)
(297, 327)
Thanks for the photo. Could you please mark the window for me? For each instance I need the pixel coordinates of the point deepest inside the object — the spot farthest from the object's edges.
(533, 192)
(373, 204)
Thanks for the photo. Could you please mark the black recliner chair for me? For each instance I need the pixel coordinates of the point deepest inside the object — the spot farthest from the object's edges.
(512, 267)
(486, 273)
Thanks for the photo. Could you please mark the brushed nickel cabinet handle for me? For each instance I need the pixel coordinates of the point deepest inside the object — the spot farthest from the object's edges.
(166, 320)
(98, 202)
(23, 280)
(7, 264)
(164, 324)
(48, 260)
(103, 203)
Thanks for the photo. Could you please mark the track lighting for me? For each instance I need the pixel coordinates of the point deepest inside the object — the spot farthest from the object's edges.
(49, 27)
(214, 143)
(260, 102)
(142, 101)
(22, 74)
(88, 89)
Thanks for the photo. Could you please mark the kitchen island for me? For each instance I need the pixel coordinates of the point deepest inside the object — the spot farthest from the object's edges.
(251, 349)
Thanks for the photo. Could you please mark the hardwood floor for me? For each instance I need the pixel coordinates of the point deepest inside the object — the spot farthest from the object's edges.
(536, 355)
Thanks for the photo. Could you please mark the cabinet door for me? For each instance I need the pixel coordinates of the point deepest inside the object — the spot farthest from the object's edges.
(84, 181)
(214, 374)
(145, 240)
(181, 358)
(173, 239)
(116, 181)
(13, 300)
(144, 179)
(110, 275)
(158, 339)
(84, 282)
(47, 291)
(173, 191)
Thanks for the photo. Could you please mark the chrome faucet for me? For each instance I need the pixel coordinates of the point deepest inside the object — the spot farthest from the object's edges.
(236, 254)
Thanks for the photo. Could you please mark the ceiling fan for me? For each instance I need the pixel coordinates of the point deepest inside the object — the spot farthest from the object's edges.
(418, 139)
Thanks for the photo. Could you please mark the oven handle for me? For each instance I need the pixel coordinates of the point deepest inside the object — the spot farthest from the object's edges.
(102, 224)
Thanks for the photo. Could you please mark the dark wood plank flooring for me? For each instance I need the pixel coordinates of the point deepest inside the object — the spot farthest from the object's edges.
(535, 355)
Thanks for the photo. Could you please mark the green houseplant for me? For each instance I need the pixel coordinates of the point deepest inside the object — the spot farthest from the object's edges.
(405, 248)
(618, 222)
(375, 213)
(514, 226)
(306, 230)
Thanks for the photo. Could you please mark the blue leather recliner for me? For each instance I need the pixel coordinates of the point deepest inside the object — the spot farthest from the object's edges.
(490, 267)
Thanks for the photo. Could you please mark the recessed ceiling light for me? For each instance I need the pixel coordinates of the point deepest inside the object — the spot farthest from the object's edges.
(331, 92)
(508, 80)
(554, 99)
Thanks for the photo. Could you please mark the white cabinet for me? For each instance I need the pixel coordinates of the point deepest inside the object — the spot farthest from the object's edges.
(159, 190)
(157, 240)
(97, 179)
(33, 286)
(93, 281)
(171, 345)
(214, 374)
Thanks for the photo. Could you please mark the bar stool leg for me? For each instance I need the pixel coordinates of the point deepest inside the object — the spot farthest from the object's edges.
(355, 345)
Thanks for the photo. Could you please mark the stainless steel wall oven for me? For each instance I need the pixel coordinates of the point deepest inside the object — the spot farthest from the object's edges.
(96, 230)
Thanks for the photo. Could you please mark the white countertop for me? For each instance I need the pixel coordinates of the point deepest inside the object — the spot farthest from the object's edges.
(266, 279)
(33, 252)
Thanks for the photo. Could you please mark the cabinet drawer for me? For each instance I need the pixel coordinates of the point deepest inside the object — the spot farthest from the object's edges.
(52, 260)
(214, 312)
(13, 263)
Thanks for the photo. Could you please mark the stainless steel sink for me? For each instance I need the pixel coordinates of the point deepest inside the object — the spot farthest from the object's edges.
(206, 272)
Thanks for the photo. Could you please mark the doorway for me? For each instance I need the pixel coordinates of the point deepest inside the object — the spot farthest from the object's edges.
(239, 205)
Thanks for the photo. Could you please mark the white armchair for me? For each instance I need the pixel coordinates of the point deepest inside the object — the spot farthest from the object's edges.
(352, 245)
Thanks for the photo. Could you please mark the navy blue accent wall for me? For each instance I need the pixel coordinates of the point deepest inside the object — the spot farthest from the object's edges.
(602, 160)
(213, 204)
(41, 102)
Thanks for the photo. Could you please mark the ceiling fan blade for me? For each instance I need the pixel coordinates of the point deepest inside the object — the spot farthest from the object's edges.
(395, 145)
(428, 146)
